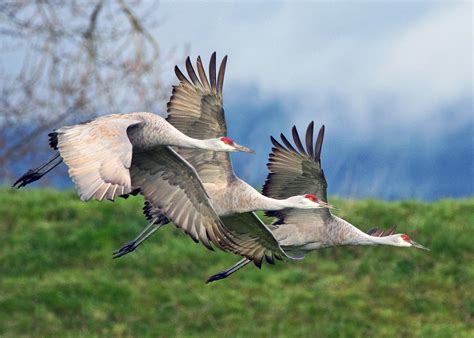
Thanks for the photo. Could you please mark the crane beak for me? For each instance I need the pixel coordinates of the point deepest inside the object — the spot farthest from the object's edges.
(238, 147)
(327, 205)
(419, 246)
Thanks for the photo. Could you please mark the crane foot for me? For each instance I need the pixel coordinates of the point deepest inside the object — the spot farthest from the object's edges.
(127, 248)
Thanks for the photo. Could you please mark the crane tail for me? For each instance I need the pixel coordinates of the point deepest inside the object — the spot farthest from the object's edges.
(33, 175)
(226, 273)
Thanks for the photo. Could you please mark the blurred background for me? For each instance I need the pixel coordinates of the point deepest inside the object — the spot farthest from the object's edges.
(391, 81)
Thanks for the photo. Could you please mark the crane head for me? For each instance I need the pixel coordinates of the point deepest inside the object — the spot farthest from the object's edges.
(227, 144)
(318, 202)
(308, 201)
(406, 241)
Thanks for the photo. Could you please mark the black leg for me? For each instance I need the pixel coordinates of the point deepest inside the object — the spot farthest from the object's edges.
(132, 245)
(35, 174)
(226, 273)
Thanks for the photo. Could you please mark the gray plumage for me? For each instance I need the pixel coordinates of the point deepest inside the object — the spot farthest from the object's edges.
(294, 170)
(115, 155)
(291, 171)
(196, 109)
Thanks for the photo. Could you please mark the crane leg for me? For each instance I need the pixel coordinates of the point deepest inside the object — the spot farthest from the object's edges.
(35, 174)
(226, 273)
(147, 232)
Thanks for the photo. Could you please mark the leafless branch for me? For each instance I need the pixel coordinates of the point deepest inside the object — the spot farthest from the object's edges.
(70, 61)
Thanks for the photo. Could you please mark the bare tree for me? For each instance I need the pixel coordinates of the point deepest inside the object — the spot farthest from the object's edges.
(65, 61)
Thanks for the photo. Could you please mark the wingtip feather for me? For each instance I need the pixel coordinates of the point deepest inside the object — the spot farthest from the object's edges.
(179, 74)
(202, 73)
(287, 143)
(296, 138)
(319, 144)
(275, 142)
(192, 73)
(220, 76)
(212, 71)
(309, 139)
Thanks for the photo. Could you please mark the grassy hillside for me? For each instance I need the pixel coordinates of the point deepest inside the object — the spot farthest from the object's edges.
(58, 278)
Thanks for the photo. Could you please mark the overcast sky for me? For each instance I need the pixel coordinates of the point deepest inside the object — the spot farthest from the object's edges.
(414, 57)
(392, 82)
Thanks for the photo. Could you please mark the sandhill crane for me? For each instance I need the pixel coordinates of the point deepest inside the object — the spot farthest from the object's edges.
(296, 169)
(99, 153)
(112, 155)
(196, 109)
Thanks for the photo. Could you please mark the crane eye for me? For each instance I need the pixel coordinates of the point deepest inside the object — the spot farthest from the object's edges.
(311, 197)
(227, 140)
(405, 238)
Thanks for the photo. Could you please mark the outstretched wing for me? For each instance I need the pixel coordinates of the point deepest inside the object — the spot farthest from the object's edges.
(377, 232)
(98, 155)
(172, 187)
(153, 214)
(196, 109)
(256, 238)
(294, 170)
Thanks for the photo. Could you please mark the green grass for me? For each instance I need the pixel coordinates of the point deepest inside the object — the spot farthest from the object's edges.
(58, 278)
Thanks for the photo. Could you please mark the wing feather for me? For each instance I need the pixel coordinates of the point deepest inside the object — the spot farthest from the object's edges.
(98, 155)
(172, 189)
(295, 172)
(220, 77)
(196, 109)
(202, 74)
(297, 140)
(171, 185)
(319, 144)
(255, 238)
(181, 76)
(376, 232)
(212, 71)
(287, 143)
(309, 139)
(192, 73)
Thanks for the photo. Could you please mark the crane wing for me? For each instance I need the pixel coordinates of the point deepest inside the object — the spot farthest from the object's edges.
(255, 237)
(98, 155)
(171, 186)
(294, 170)
(377, 232)
(196, 109)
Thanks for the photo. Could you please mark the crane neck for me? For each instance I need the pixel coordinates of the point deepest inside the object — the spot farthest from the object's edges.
(166, 134)
(347, 234)
(189, 142)
(247, 199)
(271, 204)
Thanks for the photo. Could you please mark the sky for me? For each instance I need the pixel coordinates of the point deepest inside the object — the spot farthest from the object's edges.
(416, 57)
(391, 81)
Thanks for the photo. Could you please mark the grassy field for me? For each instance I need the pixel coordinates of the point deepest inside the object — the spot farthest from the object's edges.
(58, 278)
